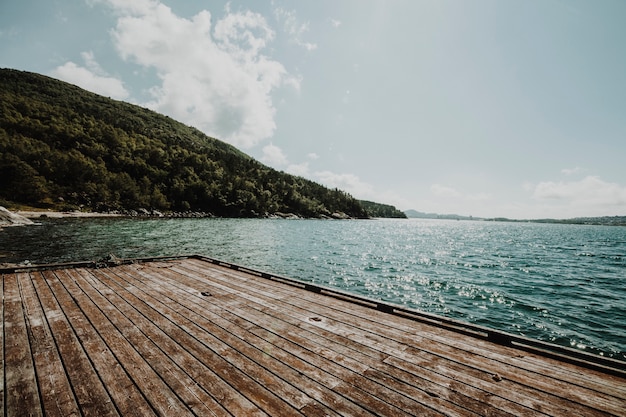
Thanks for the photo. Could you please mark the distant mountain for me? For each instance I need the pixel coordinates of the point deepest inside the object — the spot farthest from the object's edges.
(597, 221)
(65, 148)
(414, 214)
(603, 220)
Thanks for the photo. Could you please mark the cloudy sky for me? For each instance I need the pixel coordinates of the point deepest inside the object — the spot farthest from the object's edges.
(484, 108)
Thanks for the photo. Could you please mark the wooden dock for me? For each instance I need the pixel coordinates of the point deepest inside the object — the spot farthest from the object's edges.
(195, 336)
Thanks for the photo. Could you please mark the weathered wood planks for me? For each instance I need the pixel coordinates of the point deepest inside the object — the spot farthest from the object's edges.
(20, 380)
(189, 337)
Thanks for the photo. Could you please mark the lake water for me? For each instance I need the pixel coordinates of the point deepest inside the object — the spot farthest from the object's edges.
(560, 283)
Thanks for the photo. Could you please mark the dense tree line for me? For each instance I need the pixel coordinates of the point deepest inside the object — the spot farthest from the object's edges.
(61, 145)
(382, 210)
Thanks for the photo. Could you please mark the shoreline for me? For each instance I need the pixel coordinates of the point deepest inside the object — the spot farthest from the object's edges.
(23, 217)
(10, 218)
(34, 214)
(143, 213)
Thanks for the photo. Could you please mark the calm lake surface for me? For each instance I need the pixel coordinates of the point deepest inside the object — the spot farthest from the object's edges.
(560, 283)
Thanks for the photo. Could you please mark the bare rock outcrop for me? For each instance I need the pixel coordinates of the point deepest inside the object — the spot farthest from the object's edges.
(8, 218)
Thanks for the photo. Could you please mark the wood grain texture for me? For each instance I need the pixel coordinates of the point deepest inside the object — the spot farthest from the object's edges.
(189, 337)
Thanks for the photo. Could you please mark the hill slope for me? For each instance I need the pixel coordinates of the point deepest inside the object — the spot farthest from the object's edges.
(62, 145)
(382, 210)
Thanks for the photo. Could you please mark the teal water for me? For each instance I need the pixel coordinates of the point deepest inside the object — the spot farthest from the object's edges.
(560, 283)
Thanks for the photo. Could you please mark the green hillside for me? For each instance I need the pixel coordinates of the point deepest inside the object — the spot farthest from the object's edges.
(382, 210)
(65, 148)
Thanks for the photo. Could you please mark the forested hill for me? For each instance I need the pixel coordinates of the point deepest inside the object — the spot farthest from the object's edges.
(382, 210)
(65, 148)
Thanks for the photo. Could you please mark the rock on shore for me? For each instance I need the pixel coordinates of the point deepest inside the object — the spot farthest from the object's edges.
(8, 218)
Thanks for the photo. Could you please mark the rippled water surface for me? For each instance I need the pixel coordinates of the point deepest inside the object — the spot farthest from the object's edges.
(560, 283)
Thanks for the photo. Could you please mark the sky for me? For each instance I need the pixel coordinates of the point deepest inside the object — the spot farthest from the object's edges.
(484, 108)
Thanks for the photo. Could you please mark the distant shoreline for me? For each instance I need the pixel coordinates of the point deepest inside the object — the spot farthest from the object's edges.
(54, 214)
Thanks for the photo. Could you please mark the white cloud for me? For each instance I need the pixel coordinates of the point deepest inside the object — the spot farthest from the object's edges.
(213, 76)
(273, 155)
(91, 77)
(293, 28)
(347, 182)
(336, 23)
(301, 170)
(591, 191)
(92, 64)
(293, 81)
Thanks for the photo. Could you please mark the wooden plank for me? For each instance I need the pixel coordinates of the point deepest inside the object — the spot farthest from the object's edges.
(596, 399)
(167, 356)
(391, 321)
(330, 347)
(78, 346)
(454, 397)
(224, 342)
(503, 361)
(428, 387)
(356, 350)
(365, 367)
(571, 392)
(56, 392)
(158, 394)
(590, 382)
(357, 380)
(128, 292)
(360, 323)
(553, 391)
(588, 379)
(202, 340)
(245, 342)
(202, 315)
(381, 404)
(483, 368)
(22, 394)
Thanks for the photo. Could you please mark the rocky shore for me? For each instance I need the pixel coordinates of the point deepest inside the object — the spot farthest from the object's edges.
(26, 217)
(8, 218)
